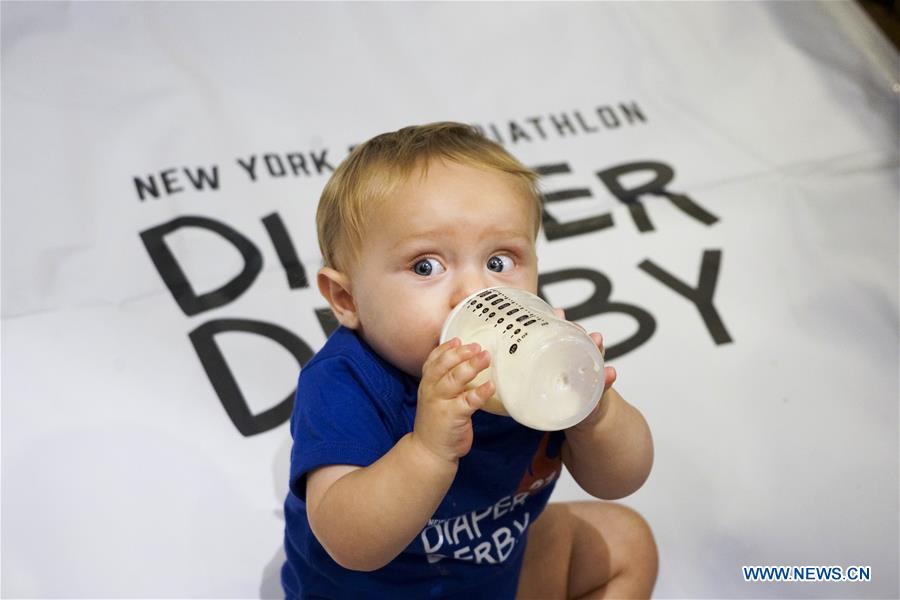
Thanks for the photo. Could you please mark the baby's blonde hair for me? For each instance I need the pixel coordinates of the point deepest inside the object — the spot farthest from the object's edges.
(373, 170)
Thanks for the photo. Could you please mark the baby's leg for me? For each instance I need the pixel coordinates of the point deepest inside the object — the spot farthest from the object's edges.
(588, 550)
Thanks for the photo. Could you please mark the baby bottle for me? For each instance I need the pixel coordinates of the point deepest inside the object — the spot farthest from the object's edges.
(547, 372)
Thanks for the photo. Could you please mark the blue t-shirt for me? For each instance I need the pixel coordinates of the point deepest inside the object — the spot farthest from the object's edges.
(351, 408)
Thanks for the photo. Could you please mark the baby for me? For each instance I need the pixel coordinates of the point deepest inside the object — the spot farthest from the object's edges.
(400, 486)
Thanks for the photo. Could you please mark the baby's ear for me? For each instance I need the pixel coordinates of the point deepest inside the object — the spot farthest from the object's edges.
(335, 286)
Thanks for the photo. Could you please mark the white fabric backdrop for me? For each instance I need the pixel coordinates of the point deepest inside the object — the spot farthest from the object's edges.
(776, 432)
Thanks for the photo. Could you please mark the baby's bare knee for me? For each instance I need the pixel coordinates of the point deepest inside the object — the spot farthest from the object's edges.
(636, 549)
(628, 549)
(633, 525)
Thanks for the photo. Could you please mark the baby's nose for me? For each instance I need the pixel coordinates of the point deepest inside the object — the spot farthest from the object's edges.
(466, 286)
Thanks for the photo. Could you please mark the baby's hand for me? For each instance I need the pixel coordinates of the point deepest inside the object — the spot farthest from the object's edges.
(608, 372)
(445, 406)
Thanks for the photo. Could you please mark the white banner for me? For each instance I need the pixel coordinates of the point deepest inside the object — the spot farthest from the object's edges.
(722, 203)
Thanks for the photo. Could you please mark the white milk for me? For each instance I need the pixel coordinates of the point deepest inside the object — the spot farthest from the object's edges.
(548, 372)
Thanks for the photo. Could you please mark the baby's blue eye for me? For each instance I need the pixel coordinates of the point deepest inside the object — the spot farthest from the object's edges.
(499, 263)
(428, 267)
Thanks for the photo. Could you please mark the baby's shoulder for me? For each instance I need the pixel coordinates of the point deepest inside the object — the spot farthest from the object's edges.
(345, 360)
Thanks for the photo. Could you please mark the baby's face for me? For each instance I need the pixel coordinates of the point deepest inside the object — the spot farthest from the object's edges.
(434, 242)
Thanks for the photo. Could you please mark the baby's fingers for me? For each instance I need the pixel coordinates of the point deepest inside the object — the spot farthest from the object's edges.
(445, 357)
(610, 376)
(598, 339)
(477, 397)
(455, 381)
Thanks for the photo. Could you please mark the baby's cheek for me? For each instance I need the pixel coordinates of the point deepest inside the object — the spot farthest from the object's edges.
(422, 349)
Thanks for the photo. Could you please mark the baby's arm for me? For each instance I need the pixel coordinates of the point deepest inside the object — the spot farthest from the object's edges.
(610, 453)
(365, 516)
